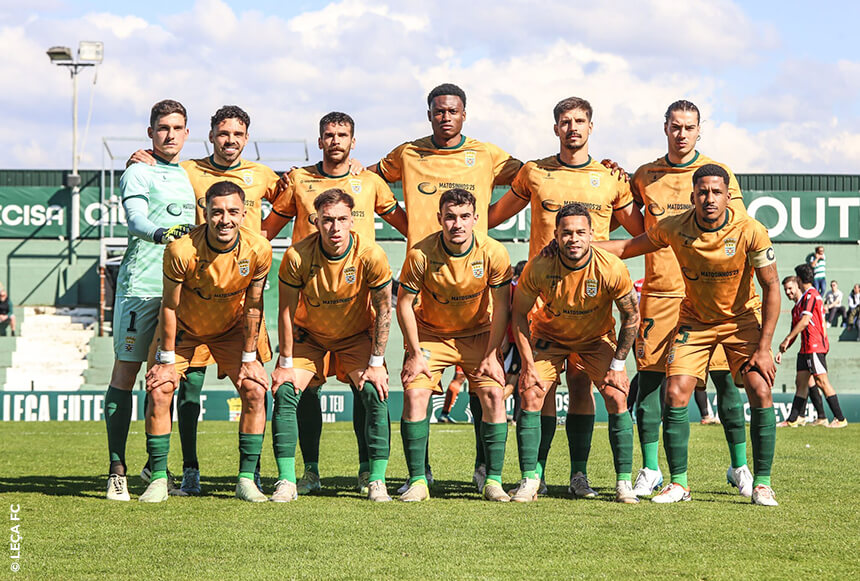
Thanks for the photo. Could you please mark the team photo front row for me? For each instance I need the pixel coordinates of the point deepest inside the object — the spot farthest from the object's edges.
(454, 307)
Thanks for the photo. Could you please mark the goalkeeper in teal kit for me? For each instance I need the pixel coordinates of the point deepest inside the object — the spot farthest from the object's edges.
(159, 207)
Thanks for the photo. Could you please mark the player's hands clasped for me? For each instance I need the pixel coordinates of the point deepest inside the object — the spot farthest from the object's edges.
(282, 375)
(378, 376)
(413, 366)
(161, 375)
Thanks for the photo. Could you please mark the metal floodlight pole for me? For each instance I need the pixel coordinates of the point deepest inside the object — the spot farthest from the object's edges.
(90, 54)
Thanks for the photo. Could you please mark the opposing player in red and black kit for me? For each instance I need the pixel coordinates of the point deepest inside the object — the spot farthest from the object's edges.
(807, 320)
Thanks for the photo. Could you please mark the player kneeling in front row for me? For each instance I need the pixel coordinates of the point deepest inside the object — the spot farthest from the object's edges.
(577, 287)
(717, 249)
(443, 307)
(333, 291)
(213, 296)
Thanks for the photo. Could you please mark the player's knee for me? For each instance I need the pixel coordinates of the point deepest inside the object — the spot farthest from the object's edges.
(253, 395)
(161, 396)
(530, 400)
(616, 401)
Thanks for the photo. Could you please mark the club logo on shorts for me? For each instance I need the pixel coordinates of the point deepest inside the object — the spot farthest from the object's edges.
(244, 267)
(355, 186)
(590, 287)
(470, 158)
(640, 349)
(671, 356)
(247, 177)
(478, 269)
(234, 409)
(349, 275)
(129, 343)
(595, 180)
(731, 245)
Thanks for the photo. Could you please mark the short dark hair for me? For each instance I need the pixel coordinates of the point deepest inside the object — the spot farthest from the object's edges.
(817, 248)
(805, 273)
(570, 104)
(337, 118)
(789, 279)
(164, 108)
(683, 105)
(446, 89)
(711, 170)
(520, 266)
(457, 197)
(333, 196)
(224, 188)
(229, 112)
(572, 209)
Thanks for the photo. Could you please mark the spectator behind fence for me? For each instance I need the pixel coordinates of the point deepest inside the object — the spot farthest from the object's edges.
(852, 318)
(7, 317)
(833, 305)
(818, 262)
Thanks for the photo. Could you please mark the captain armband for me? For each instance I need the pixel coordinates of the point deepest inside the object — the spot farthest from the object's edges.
(761, 258)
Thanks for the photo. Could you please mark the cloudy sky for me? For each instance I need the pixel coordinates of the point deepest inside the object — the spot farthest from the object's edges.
(778, 82)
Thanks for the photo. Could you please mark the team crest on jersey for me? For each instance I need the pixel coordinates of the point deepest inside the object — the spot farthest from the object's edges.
(349, 274)
(595, 180)
(247, 177)
(731, 245)
(478, 269)
(470, 159)
(590, 287)
(355, 186)
(244, 267)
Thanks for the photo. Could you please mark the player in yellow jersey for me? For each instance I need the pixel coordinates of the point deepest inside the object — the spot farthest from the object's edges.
(548, 184)
(213, 296)
(334, 298)
(573, 324)
(371, 196)
(717, 248)
(228, 134)
(443, 307)
(661, 188)
(443, 160)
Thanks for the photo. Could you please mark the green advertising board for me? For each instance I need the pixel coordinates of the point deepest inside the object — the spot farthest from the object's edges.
(790, 216)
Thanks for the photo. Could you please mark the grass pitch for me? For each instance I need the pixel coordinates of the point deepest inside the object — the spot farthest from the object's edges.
(55, 472)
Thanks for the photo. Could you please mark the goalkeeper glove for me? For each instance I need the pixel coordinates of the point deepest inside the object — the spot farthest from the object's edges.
(168, 235)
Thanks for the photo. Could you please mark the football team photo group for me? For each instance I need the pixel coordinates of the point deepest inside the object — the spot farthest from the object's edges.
(189, 295)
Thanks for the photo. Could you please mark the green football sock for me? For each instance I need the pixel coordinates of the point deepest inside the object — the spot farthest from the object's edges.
(359, 422)
(528, 442)
(477, 419)
(494, 437)
(312, 467)
(414, 435)
(547, 433)
(250, 448)
(309, 419)
(376, 431)
(763, 436)
(676, 440)
(285, 431)
(579, 428)
(189, 412)
(648, 417)
(118, 404)
(158, 447)
(621, 441)
(730, 408)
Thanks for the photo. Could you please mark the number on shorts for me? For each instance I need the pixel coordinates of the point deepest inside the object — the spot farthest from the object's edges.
(131, 328)
(648, 324)
(683, 334)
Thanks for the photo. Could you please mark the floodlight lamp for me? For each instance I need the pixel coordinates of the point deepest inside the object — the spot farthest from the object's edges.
(91, 51)
(59, 54)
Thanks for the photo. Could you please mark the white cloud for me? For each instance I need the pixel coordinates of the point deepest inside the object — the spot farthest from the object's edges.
(121, 27)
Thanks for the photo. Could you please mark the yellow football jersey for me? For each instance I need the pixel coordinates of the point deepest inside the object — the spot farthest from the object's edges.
(257, 180)
(717, 265)
(214, 281)
(550, 183)
(335, 290)
(663, 189)
(576, 302)
(427, 170)
(370, 192)
(453, 289)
